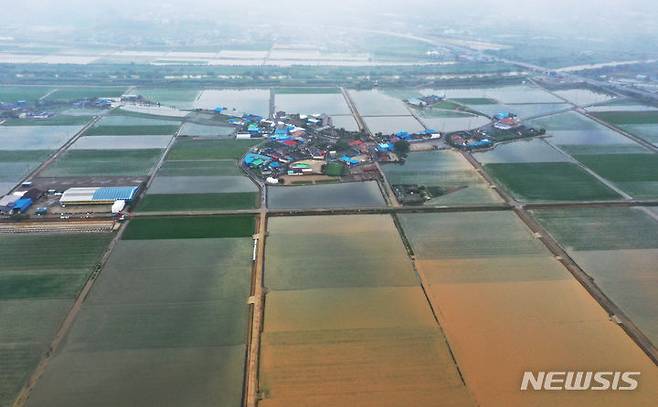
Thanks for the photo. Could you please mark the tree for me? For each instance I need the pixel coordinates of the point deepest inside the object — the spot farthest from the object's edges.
(401, 147)
(342, 145)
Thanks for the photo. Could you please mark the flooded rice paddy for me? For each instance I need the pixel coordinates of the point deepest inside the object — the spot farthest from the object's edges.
(200, 130)
(502, 94)
(346, 122)
(200, 185)
(312, 103)
(618, 248)
(533, 150)
(377, 103)
(354, 326)
(255, 101)
(507, 306)
(342, 195)
(583, 97)
(393, 124)
(447, 169)
(121, 142)
(35, 137)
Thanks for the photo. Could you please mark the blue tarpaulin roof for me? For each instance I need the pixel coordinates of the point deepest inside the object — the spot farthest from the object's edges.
(252, 158)
(22, 204)
(115, 194)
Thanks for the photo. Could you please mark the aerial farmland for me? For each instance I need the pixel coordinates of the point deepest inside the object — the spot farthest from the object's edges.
(251, 216)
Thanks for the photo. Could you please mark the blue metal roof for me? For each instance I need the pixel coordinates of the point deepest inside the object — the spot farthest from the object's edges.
(115, 193)
(22, 204)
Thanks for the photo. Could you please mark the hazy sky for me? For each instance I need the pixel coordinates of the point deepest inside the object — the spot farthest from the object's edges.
(599, 17)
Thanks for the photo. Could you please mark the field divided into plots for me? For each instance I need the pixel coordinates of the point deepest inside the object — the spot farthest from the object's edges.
(202, 175)
(12, 94)
(254, 101)
(507, 306)
(609, 154)
(384, 113)
(639, 120)
(165, 323)
(40, 275)
(179, 98)
(340, 195)
(618, 248)
(551, 169)
(24, 148)
(80, 163)
(346, 317)
(445, 169)
(68, 94)
(193, 149)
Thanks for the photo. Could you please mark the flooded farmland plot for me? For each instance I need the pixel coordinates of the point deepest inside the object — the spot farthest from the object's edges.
(576, 133)
(352, 323)
(35, 137)
(502, 94)
(618, 248)
(393, 124)
(341, 195)
(449, 124)
(640, 121)
(200, 130)
(128, 120)
(533, 150)
(74, 163)
(121, 142)
(37, 289)
(15, 165)
(377, 103)
(447, 170)
(169, 312)
(179, 98)
(254, 101)
(583, 97)
(331, 103)
(198, 182)
(523, 110)
(346, 122)
(507, 306)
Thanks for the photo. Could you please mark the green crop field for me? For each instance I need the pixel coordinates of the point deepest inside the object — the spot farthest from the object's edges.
(7, 156)
(57, 120)
(188, 149)
(173, 313)
(199, 168)
(191, 202)
(600, 228)
(475, 101)
(623, 167)
(636, 174)
(132, 130)
(103, 162)
(11, 94)
(190, 227)
(39, 277)
(626, 117)
(75, 93)
(550, 182)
